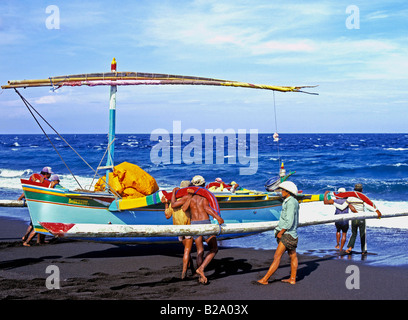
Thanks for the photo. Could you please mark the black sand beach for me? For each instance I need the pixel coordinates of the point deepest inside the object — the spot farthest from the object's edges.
(96, 271)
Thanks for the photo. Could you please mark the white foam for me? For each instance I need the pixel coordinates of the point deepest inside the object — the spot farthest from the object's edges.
(10, 179)
(318, 210)
(396, 149)
(7, 173)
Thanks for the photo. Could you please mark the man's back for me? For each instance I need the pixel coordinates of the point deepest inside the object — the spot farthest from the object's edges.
(197, 208)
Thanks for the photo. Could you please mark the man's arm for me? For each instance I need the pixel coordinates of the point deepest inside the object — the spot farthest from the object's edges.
(212, 212)
(352, 208)
(176, 203)
(167, 212)
(327, 201)
(341, 206)
(373, 208)
(280, 233)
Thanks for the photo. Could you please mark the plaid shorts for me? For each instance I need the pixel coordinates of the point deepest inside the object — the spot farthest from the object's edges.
(288, 241)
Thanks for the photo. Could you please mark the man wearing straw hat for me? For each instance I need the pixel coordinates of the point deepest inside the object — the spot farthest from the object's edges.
(286, 233)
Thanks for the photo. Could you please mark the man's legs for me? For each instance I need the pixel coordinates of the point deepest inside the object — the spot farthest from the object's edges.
(200, 250)
(363, 235)
(343, 240)
(213, 249)
(280, 250)
(354, 226)
(30, 237)
(293, 267)
(337, 239)
(188, 244)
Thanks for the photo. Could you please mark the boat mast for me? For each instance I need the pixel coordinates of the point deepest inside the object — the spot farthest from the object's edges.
(112, 122)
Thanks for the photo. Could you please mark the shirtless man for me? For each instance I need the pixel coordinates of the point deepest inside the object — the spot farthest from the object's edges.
(200, 211)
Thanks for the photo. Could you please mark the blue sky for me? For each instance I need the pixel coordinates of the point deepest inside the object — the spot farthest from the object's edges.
(362, 73)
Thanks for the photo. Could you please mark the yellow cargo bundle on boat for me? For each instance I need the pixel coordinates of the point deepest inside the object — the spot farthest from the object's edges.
(129, 181)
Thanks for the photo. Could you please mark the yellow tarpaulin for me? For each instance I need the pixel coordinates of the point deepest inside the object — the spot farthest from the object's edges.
(129, 181)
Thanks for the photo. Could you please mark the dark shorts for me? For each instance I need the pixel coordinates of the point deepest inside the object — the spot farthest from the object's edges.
(342, 226)
(288, 241)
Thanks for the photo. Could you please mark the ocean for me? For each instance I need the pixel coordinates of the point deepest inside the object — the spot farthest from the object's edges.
(320, 161)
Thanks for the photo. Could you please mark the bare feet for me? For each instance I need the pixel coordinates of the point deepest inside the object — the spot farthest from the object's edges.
(337, 247)
(262, 281)
(290, 280)
(202, 278)
(26, 244)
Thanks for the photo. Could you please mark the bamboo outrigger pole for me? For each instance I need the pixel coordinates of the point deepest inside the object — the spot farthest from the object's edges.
(118, 230)
(115, 78)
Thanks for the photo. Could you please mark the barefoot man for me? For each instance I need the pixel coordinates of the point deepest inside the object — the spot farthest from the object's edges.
(286, 233)
(181, 216)
(200, 211)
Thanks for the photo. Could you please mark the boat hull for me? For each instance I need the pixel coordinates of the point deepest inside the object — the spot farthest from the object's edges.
(68, 207)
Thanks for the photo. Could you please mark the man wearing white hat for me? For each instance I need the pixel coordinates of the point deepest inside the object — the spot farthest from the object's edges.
(286, 233)
(341, 226)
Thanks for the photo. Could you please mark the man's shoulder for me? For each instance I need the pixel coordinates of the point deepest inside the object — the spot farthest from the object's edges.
(292, 201)
(354, 200)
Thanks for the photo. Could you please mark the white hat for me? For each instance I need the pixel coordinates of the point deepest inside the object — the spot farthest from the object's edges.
(289, 186)
(198, 180)
(341, 190)
(47, 170)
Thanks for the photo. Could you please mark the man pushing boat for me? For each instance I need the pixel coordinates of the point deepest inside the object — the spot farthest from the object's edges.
(200, 211)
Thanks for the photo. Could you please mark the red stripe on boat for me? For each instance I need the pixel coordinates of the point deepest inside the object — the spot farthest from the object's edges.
(57, 229)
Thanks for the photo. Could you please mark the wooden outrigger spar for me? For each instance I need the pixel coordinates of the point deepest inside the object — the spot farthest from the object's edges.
(79, 231)
(140, 78)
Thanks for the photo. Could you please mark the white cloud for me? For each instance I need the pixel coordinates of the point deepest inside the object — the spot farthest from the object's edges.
(46, 100)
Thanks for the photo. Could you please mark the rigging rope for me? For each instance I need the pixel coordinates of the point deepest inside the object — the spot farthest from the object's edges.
(28, 105)
(276, 127)
(96, 172)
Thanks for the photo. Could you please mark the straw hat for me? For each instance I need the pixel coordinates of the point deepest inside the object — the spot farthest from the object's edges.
(198, 180)
(289, 186)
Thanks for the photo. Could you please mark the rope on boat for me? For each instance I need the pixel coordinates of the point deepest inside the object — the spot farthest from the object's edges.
(28, 105)
(276, 127)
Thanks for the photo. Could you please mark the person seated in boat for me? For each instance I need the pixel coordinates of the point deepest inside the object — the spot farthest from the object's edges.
(55, 182)
(200, 211)
(181, 216)
(218, 186)
(235, 187)
(42, 177)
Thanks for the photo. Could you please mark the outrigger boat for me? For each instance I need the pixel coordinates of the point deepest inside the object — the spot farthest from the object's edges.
(105, 216)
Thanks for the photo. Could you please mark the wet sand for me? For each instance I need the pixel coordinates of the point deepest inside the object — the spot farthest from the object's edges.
(95, 271)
